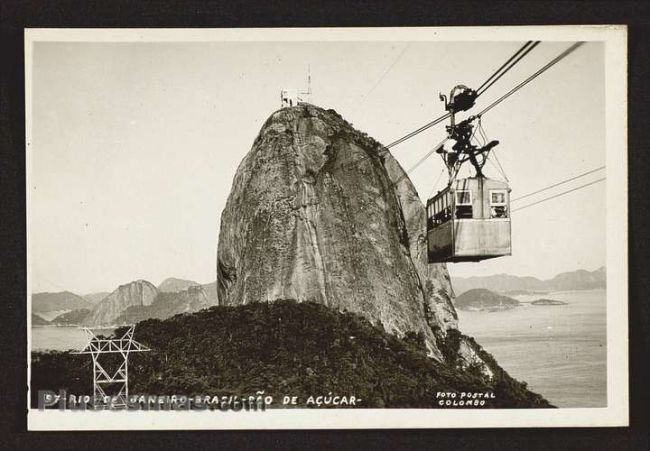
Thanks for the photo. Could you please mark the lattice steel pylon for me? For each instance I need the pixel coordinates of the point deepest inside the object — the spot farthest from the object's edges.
(123, 346)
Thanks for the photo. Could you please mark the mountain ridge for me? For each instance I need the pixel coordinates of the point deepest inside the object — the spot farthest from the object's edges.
(579, 279)
(63, 300)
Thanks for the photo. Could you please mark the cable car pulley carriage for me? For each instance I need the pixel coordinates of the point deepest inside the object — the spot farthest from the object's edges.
(470, 219)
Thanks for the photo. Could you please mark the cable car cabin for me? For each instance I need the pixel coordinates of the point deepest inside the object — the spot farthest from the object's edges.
(469, 221)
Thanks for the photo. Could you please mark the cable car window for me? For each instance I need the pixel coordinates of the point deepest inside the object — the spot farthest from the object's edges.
(463, 198)
(498, 197)
(464, 205)
(498, 204)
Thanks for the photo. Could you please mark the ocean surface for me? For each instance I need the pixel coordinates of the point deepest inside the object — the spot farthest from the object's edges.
(559, 350)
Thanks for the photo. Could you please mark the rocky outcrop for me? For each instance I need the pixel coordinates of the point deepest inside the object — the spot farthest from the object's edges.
(138, 293)
(167, 304)
(320, 212)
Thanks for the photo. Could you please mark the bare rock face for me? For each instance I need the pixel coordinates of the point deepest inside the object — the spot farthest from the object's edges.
(135, 294)
(320, 212)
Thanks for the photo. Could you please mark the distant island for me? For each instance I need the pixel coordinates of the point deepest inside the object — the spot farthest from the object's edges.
(548, 302)
(518, 285)
(480, 299)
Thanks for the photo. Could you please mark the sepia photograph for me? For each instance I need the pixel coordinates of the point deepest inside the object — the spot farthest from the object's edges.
(326, 228)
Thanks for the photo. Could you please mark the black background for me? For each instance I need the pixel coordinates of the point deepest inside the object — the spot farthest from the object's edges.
(17, 15)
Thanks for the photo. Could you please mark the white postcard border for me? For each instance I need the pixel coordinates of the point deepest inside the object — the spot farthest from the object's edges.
(617, 411)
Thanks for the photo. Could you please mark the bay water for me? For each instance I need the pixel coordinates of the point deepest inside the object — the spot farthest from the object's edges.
(559, 350)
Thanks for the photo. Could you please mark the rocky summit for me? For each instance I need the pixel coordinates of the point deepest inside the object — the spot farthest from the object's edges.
(321, 212)
(138, 293)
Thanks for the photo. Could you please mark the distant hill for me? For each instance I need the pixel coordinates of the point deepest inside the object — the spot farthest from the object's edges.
(579, 280)
(66, 301)
(165, 305)
(138, 293)
(38, 321)
(482, 299)
(94, 298)
(173, 285)
(72, 318)
(141, 300)
(574, 280)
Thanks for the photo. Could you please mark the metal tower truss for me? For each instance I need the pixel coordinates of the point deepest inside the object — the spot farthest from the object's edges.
(102, 377)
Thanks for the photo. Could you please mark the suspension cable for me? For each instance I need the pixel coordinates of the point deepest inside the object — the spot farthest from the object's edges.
(501, 99)
(532, 77)
(560, 194)
(435, 184)
(514, 59)
(527, 48)
(419, 130)
(558, 184)
(381, 78)
(503, 172)
(420, 161)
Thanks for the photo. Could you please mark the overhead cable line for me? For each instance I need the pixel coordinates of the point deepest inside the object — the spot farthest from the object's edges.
(493, 104)
(365, 96)
(558, 184)
(560, 194)
(500, 72)
(531, 78)
(419, 162)
(419, 130)
(435, 184)
(501, 99)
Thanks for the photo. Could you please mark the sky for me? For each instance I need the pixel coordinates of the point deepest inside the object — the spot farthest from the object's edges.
(135, 145)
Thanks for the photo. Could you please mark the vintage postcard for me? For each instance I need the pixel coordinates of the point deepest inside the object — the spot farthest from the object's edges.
(327, 228)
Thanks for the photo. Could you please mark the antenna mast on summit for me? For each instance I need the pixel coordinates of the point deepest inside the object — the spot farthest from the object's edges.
(294, 97)
(309, 80)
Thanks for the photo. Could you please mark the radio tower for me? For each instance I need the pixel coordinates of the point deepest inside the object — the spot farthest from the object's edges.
(120, 378)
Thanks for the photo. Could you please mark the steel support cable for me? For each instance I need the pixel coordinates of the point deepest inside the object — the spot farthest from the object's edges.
(493, 152)
(501, 99)
(402, 139)
(532, 77)
(419, 130)
(496, 72)
(378, 82)
(558, 183)
(503, 172)
(420, 161)
(534, 44)
(488, 108)
(435, 184)
(529, 44)
(560, 194)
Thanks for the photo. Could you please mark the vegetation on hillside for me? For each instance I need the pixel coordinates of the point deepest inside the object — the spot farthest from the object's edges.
(287, 348)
